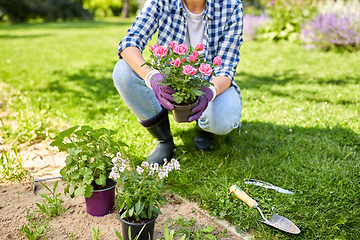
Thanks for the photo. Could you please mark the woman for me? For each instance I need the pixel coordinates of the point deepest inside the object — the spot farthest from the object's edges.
(218, 24)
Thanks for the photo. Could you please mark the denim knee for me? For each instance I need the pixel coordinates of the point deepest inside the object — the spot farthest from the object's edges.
(124, 76)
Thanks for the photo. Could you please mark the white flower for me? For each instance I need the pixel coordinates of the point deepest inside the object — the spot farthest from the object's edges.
(165, 160)
(163, 174)
(145, 164)
(175, 163)
(114, 175)
(139, 170)
(151, 173)
(121, 169)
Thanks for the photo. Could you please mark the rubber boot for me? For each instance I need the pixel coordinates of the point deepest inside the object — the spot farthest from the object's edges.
(203, 140)
(159, 128)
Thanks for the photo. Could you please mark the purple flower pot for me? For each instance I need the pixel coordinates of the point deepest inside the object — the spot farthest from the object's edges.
(101, 201)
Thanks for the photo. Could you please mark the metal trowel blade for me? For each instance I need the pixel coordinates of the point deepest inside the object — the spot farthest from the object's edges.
(283, 224)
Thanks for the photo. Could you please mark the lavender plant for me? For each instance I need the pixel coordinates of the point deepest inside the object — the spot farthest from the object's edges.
(336, 26)
(140, 196)
(252, 24)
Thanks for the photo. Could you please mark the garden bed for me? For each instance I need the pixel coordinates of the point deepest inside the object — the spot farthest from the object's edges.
(43, 162)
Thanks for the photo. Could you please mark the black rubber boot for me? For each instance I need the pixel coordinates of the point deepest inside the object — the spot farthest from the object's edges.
(203, 140)
(159, 127)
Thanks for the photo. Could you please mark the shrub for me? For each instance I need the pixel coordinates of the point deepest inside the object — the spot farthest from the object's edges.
(286, 18)
(253, 23)
(48, 10)
(337, 26)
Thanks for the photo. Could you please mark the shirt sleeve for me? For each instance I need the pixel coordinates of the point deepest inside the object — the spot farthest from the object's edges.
(229, 45)
(144, 27)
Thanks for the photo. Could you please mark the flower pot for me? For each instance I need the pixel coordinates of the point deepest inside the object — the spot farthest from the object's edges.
(182, 113)
(101, 201)
(135, 229)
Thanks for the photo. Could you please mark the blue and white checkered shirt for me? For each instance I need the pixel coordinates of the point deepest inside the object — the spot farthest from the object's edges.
(222, 36)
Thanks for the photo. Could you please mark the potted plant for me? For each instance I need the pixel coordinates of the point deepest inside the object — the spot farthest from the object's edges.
(139, 198)
(185, 70)
(88, 165)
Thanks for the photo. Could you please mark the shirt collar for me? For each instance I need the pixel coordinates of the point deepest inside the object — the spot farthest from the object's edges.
(209, 9)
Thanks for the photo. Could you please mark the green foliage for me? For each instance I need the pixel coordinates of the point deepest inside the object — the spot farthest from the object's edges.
(102, 8)
(190, 230)
(300, 124)
(11, 168)
(53, 204)
(96, 233)
(88, 162)
(286, 19)
(48, 10)
(36, 228)
(171, 235)
(141, 192)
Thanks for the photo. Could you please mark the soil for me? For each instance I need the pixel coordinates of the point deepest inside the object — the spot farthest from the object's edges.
(43, 161)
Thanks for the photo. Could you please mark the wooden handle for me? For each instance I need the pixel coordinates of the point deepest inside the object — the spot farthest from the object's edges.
(240, 194)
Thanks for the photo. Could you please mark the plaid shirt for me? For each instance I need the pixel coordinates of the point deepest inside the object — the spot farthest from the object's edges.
(222, 36)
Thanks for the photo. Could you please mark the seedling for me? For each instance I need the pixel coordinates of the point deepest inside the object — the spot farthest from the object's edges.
(35, 229)
(192, 231)
(95, 233)
(11, 168)
(53, 206)
(71, 236)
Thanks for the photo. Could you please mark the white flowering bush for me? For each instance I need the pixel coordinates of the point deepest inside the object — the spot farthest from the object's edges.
(140, 195)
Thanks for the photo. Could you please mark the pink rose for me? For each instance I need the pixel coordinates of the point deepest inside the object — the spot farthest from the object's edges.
(193, 58)
(195, 53)
(199, 47)
(172, 44)
(153, 47)
(217, 61)
(180, 49)
(175, 63)
(160, 51)
(189, 70)
(205, 69)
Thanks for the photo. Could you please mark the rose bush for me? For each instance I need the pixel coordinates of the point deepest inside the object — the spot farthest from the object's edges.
(184, 69)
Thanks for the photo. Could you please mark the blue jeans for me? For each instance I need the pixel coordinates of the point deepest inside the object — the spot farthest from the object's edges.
(220, 117)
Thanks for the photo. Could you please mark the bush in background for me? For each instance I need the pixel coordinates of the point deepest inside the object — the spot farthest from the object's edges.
(47, 10)
(286, 18)
(336, 26)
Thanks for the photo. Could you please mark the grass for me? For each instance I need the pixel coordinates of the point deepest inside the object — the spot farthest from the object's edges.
(300, 127)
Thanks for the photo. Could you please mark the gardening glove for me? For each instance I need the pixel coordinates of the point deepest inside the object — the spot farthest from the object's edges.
(162, 92)
(208, 96)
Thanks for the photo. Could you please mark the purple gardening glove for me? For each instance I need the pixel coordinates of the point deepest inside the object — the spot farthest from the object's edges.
(162, 93)
(203, 103)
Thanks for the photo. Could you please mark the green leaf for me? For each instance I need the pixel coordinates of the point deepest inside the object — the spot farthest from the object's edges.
(101, 180)
(80, 191)
(210, 237)
(88, 179)
(131, 212)
(89, 190)
(137, 207)
(209, 229)
(118, 235)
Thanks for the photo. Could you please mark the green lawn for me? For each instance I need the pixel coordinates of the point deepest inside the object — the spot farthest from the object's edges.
(300, 124)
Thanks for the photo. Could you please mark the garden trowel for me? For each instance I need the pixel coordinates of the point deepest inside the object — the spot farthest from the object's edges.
(41, 180)
(275, 221)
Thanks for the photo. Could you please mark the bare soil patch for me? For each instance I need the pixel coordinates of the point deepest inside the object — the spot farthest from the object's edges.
(44, 162)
